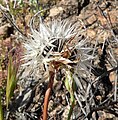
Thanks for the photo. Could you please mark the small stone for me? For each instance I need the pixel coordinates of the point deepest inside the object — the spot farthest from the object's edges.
(91, 19)
(50, 106)
(55, 11)
(91, 33)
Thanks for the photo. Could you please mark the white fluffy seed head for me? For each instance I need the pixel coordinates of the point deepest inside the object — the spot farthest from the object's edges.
(50, 41)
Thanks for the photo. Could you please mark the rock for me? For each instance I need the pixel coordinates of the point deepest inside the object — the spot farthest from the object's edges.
(91, 33)
(91, 19)
(55, 11)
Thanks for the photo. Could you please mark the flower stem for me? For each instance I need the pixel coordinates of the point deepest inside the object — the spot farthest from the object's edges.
(71, 110)
(47, 95)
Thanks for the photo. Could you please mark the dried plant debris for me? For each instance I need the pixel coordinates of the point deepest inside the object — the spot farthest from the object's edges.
(78, 41)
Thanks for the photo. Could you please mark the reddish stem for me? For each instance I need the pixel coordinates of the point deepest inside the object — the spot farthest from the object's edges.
(47, 95)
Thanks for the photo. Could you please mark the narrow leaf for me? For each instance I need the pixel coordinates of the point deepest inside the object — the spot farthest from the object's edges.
(11, 81)
(1, 111)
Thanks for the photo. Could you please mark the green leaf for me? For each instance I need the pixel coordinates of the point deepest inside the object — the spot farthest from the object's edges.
(11, 81)
(67, 84)
(1, 111)
(71, 87)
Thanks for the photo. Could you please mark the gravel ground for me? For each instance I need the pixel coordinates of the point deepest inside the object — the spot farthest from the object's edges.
(99, 19)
